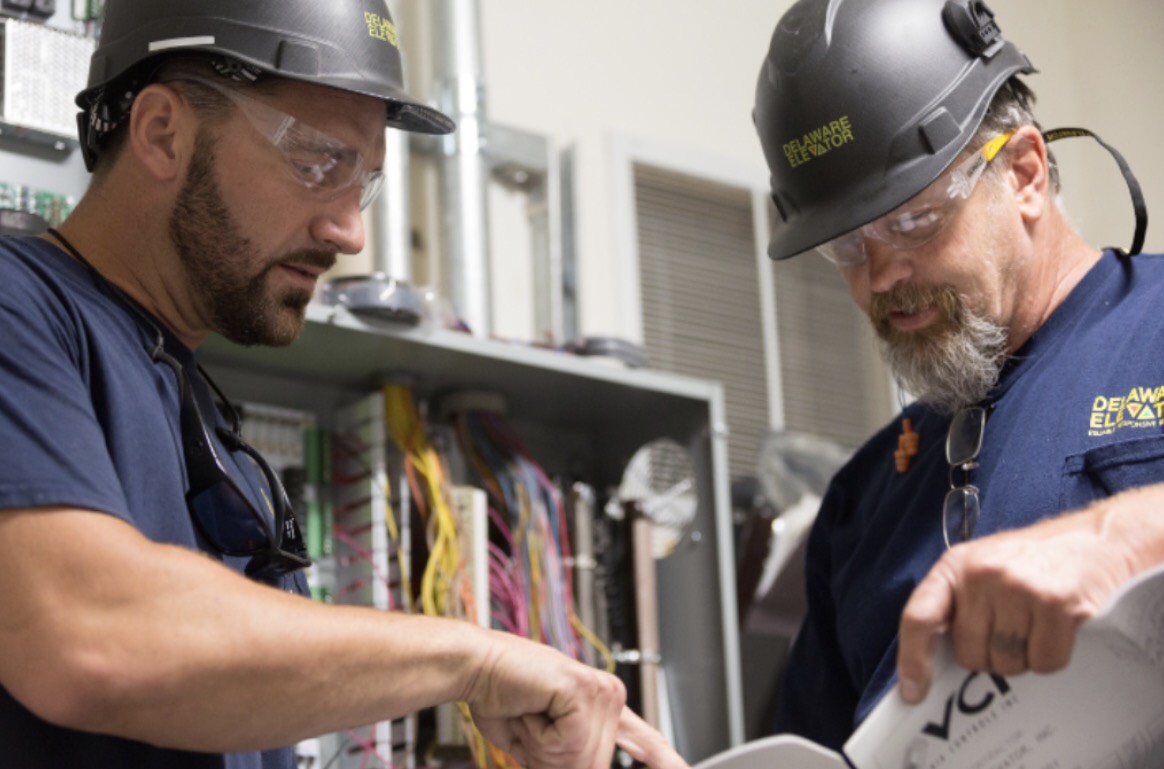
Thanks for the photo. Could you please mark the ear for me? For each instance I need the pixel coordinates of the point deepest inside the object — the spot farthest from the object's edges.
(162, 129)
(1027, 172)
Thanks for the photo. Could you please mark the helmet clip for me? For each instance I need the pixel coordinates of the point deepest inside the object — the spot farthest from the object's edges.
(972, 24)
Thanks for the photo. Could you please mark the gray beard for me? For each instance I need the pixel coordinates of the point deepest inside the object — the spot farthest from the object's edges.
(953, 365)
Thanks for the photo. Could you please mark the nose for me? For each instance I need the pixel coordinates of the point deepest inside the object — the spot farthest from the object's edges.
(887, 266)
(340, 226)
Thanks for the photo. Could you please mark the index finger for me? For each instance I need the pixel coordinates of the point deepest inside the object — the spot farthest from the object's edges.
(645, 744)
(926, 615)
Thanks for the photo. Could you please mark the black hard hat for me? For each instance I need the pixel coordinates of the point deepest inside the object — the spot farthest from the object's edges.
(863, 103)
(345, 44)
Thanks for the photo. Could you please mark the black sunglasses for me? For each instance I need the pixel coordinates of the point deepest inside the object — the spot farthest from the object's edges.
(224, 514)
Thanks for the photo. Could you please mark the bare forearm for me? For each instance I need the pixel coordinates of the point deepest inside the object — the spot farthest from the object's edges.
(270, 671)
(1133, 522)
(103, 631)
(174, 649)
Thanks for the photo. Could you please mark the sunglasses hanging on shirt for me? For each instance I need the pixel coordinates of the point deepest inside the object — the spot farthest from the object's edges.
(961, 506)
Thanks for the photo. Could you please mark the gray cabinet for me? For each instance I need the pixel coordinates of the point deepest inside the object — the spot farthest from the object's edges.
(576, 415)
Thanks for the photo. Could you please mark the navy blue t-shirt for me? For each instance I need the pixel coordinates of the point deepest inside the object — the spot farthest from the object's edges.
(1078, 415)
(88, 420)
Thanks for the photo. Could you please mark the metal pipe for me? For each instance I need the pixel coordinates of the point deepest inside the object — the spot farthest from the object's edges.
(459, 89)
(391, 225)
(646, 616)
(391, 228)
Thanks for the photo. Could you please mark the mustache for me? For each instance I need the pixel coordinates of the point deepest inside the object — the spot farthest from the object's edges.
(911, 298)
(324, 260)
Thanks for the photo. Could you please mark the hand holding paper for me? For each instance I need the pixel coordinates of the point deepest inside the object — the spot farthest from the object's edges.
(1013, 601)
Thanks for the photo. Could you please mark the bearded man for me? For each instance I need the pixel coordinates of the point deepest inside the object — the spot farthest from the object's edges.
(155, 612)
(1022, 488)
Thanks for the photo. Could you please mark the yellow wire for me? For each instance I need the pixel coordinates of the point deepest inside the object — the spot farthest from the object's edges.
(535, 590)
(443, 570)
(437, 590)
(602, 649)
(402, 558)
(401, 551)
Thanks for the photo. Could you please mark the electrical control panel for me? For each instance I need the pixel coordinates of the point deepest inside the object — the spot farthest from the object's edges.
(37, 9)
(41, 70)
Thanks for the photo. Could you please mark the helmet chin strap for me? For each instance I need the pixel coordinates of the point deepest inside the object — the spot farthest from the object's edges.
(1138, 205)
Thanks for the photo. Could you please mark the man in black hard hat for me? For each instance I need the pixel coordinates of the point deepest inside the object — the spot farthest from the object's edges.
(152, 612)
(902, 148)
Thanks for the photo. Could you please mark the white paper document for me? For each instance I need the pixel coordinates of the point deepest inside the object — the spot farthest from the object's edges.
(1105, 710)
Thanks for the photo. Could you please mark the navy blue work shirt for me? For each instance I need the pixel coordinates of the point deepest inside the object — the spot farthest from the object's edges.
(1078, 415)
(88, 420)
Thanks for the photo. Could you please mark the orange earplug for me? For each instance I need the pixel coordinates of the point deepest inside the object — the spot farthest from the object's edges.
(907, 444)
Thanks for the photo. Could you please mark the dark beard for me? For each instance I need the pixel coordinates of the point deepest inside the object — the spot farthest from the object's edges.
(217, 260)
(953, 362)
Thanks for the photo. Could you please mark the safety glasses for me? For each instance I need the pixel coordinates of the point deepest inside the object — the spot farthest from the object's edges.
(921, 218)
(963, 443)
(223, 513)
(316, 160)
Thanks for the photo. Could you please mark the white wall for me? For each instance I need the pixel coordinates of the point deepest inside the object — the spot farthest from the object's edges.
(682, 74)
(1101, 67)
(675, 72)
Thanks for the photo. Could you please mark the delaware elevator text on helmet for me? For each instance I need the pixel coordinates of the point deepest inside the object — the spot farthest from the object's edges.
(820, 141)
(381, 28)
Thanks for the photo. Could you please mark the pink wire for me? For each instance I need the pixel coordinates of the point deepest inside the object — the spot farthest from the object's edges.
(365, 554)
(369, 748)
(501, 586)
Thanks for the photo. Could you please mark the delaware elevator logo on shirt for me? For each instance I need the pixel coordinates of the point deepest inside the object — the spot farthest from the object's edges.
(1138, 408)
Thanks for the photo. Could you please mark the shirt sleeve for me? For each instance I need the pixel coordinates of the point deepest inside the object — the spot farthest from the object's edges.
(53, 450)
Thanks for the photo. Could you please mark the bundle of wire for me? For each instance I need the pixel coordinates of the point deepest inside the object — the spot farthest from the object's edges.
(531, 589)
(445, 589)
(530, 585)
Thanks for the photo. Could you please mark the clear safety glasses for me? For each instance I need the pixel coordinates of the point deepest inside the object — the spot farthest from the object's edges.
(920, 219)
(315, 159)
(963, 444)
